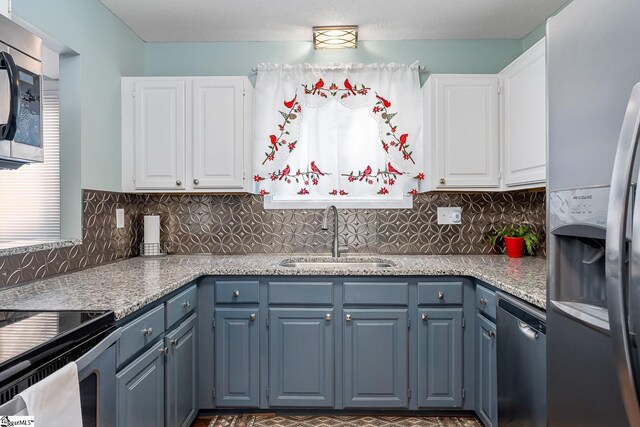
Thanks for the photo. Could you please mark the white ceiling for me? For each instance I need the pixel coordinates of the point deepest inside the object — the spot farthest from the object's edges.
(280, 20)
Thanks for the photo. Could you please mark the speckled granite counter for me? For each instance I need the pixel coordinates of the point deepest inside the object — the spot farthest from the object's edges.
(128, 285)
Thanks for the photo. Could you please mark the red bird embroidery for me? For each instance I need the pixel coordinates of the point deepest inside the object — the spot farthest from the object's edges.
(274, 141)
(386, 103)
(393, 170)
(318, 85)
(366, 173)
(347, 84)
(290, 104)
(285, 172)
(403, 140)
(316, 169)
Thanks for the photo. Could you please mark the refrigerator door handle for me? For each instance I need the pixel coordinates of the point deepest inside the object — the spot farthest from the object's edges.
(616, 273)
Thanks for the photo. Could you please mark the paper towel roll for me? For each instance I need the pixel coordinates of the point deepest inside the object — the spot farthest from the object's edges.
(152, 229)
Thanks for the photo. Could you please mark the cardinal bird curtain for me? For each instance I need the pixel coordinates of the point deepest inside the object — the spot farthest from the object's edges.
(337, 132)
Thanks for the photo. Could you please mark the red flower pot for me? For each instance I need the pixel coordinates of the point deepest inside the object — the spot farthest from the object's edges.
(514, 246)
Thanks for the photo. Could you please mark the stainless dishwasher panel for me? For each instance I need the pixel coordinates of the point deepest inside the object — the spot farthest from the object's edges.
(522, 366)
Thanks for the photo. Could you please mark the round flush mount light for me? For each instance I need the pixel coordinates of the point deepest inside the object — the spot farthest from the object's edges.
(335, 37)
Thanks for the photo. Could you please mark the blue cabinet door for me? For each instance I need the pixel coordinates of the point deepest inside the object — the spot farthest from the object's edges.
(301, 357)
(237, 357)
(181, 374)
(141, 390)
(440, 363)
(375, 358)
(486, 372)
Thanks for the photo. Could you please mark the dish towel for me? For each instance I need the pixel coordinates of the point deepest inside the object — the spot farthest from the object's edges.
(55, 401)
(15, 407)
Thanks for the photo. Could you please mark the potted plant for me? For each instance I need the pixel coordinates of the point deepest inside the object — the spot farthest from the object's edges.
(516, 239)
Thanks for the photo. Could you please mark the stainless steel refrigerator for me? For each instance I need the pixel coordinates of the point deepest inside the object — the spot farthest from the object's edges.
(593, 312)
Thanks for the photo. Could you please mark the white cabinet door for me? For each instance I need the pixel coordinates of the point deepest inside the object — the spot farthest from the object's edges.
(218, 124)
(159, 141)
(524, 118)
(466, 134)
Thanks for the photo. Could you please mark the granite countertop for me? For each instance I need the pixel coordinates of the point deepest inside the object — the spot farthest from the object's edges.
(126, 286)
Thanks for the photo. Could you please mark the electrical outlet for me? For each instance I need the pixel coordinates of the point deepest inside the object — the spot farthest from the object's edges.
(449, 215)
(120, 218)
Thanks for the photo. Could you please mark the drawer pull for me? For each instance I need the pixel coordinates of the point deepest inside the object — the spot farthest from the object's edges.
(164, 351)
(252, 317)
(186, 304)
(147, 332)
(483, 301)
(348, 318)
(236, 293)
(441, 295)
(327, 316)
(174, 342)
(492, 334)
(424, 316)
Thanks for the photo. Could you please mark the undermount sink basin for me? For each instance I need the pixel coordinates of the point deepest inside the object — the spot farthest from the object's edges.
(336, 263)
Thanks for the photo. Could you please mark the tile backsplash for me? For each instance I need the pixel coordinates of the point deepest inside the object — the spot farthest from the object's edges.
(238, 224)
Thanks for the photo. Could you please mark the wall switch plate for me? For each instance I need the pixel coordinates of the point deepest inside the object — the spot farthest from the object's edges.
(449, 215)
(120, 218)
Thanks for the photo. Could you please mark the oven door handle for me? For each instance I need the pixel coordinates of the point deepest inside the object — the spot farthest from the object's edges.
(96, 351)
(8, 130)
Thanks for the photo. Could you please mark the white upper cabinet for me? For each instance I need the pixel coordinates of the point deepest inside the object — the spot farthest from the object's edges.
(159, 141)
(218, 150)
(465, 131)
(524, 118)
(186, 133)
(487, 132)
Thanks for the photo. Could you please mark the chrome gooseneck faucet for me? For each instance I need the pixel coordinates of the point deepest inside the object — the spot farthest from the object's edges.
(336, 251)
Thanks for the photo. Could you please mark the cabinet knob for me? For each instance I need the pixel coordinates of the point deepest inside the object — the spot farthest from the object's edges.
(196, 181)
(252, 317)
(492, 334)
(483, 301)
(164, 351)
(441, 295)
(174, 342)
(186, 304)
(443, 181)
(424, 316)
(348, 318)
(236, 293)
(178, 183)
(327, 316)
(147, 332)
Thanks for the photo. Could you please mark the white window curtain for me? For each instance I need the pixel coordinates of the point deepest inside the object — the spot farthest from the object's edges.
(338, 132)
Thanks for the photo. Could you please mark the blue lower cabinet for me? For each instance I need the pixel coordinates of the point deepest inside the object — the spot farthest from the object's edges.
(375, 358)
(440, 361)
(237, 357)
(486, 372)
(181, 375)
(301, 357)
(141, 390)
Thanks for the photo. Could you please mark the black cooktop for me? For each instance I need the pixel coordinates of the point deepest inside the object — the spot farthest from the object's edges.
(29, 337)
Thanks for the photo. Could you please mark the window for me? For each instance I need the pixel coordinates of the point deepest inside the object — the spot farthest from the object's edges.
(30, 195)
(348, 135)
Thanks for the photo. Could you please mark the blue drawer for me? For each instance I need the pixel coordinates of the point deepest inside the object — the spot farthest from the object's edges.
(486, 301)
(307, 293)
(140, 333)
(376, 293)
(440, 293)
(230, 292)
(181, 305)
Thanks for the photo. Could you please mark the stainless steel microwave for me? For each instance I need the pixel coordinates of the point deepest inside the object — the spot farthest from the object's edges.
(20, 96)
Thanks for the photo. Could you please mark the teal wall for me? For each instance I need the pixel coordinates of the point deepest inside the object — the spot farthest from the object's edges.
(534, 36)
(237, 58)
(107, 50)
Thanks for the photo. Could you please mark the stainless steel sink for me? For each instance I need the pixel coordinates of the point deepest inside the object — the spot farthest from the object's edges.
(334, 263)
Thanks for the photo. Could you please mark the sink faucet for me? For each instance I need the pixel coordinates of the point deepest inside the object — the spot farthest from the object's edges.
(336, 251)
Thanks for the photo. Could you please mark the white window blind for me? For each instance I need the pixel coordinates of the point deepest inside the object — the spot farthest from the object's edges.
(30, 196)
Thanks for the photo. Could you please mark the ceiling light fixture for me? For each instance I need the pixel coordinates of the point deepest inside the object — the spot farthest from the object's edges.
(335, 37)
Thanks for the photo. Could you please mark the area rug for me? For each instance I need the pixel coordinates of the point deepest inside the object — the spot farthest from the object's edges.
(340, 421)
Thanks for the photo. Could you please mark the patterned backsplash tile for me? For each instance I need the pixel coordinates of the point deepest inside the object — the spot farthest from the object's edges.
(238, 224)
